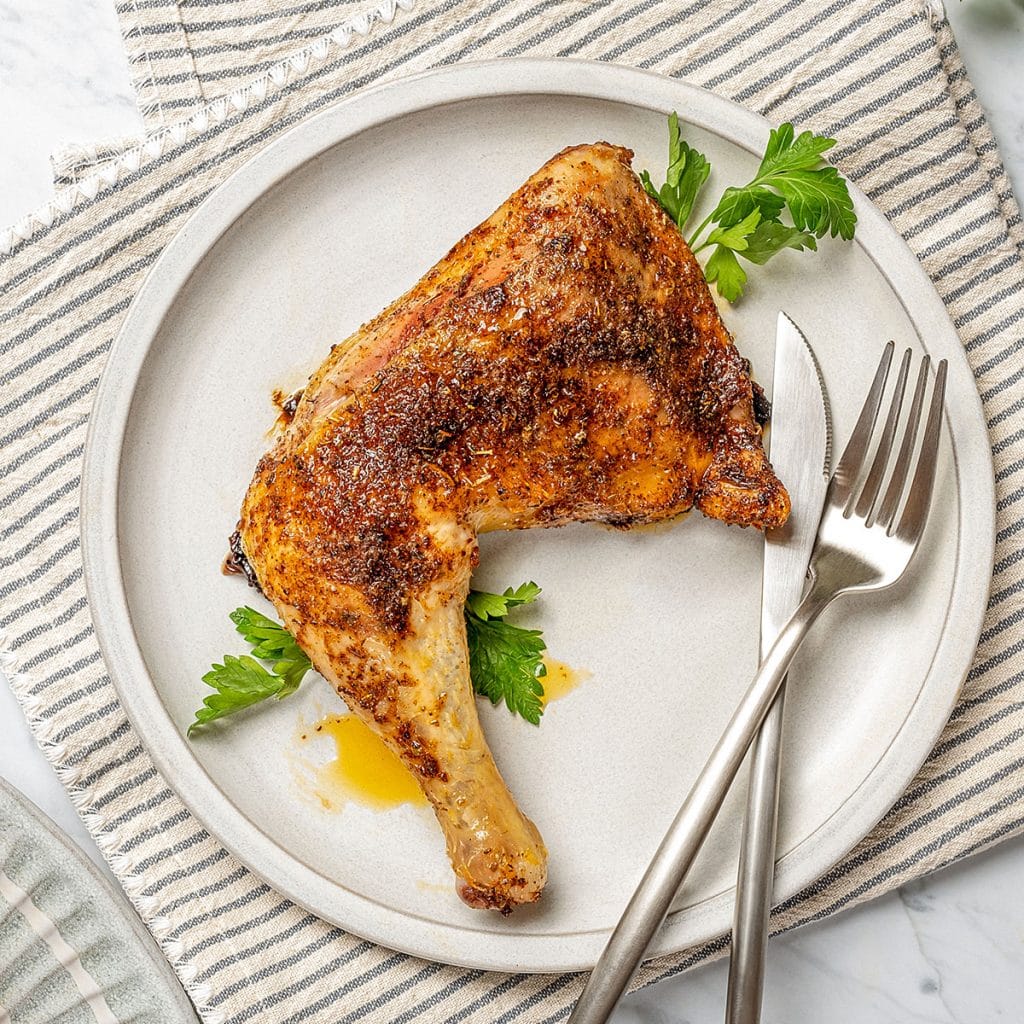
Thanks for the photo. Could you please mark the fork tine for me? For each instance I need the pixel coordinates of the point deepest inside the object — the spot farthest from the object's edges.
(855, 452)
(919, 496)
(893, 493)
(873, 483)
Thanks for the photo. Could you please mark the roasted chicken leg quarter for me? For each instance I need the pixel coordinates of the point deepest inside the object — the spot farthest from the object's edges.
(564, 362)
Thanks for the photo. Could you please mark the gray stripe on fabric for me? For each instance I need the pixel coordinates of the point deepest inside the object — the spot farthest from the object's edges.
(48, 531)
(318, 975)
(166, 217)
(92, 718)
(197, 837)
(154, 831)
(203, 891)
(869, 853)
(893, 870)
(119, 731)
(1009, 531)
(253, 922)
(1010, 410)
(606, 26)
(664, 26)
(438, 998)
(873, 106)
(823, 74)
(51, 438)
(269, 970)
(76, 666)
(958, 204)
(352, 985)
(694, 958)
(965, 259)
(979, 278)
(1004, 563)
(51, 467)
(556, 985)
(964, 319)
(999, 596)
(766, 52)
(48, 625)
(67, 615)
(514, 981)
(894, 153)
(518, 19)
(125, 787)
(80, 299)
(255, 892)
(63, 647)
(19, 524)
(1011, 350)
(38, 603)
(143, 807)
(90, 780)
(1013, 467)
(967, 704)
(544, 34)
(39, 571)
(70, 699)
(978, 757)
(383, 998)
(658, 29)
(95, 230)
(257, 20)
(247, 954)
(41, 418)
(980, 669)
(975, 730)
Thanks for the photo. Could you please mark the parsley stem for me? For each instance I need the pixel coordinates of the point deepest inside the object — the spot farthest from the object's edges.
(696, 234)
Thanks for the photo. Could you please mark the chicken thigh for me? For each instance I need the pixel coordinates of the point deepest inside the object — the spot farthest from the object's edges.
(564, 362)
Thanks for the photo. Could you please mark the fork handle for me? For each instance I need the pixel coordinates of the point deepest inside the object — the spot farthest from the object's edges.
(756, 872)
(650, 903)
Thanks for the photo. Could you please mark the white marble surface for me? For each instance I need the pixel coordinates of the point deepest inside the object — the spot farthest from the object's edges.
(948, 949)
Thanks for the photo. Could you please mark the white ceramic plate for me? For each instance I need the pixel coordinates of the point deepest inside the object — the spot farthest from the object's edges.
(313, 237)
(71, 948)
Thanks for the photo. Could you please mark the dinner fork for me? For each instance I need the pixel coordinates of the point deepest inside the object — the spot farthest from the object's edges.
(865, 541)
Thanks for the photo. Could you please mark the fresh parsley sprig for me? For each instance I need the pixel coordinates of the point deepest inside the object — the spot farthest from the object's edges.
(747, 222)
(241, 682)
(505, 661)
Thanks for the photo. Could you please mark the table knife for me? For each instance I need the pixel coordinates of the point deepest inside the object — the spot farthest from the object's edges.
(800, 441)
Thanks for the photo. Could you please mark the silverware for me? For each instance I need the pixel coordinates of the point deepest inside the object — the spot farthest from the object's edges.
(801, 443)
(865, 542)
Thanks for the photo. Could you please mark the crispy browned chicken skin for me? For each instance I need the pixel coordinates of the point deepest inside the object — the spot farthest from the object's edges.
(564, 362)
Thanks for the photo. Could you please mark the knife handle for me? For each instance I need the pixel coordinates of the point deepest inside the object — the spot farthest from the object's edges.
(653, 897)
(756, 873)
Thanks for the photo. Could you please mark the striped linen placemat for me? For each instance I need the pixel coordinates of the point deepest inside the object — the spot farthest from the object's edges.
(219, 79)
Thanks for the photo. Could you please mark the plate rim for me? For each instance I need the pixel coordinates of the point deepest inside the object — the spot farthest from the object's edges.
(100, 490)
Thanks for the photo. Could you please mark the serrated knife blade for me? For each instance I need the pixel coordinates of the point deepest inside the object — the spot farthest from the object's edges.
(800, 448)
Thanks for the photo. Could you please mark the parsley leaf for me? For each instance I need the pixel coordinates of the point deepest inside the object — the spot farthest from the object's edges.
(505, 661)
(748, 220)
(686, 174)
(724, 270)
(238, 683)
(735, 235)
(272, 642)
(770, 237)
(497, 606)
